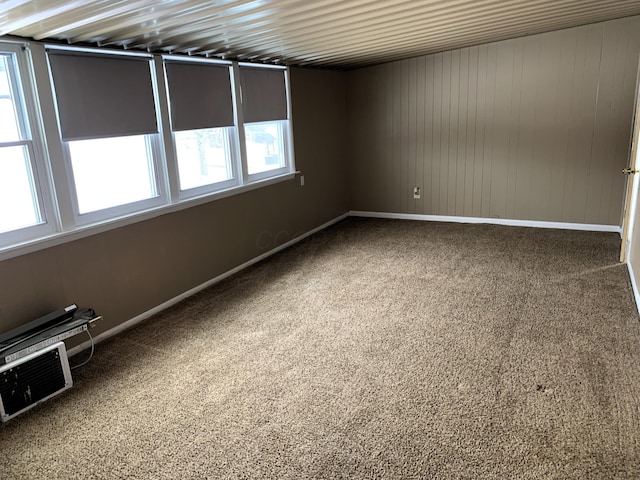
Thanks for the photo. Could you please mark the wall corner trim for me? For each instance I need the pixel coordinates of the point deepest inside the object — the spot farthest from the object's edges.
(495, 221)
(163, 306)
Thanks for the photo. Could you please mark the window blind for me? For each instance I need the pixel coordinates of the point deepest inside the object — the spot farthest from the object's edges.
(200, 95)
(102, 95)
(264, 94)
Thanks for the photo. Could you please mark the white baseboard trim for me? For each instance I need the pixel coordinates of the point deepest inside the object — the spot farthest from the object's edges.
(495, 221)
(143, 316)
(634, 286)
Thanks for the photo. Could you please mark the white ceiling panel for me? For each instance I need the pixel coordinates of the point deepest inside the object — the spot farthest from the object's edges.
(324, 33)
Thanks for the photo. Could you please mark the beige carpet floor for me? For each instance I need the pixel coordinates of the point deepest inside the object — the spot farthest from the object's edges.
(374, 349)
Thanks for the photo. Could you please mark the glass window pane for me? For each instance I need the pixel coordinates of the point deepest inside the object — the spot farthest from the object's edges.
(9, 130)
(264, 143)
(203, 157)
(109, 172)
(18, 204)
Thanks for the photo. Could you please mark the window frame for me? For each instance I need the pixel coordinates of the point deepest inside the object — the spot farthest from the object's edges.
(21, 76)
(287, 128)
(232, 134)
(155, 150)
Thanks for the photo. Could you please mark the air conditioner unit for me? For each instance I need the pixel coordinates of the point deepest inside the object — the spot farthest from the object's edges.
(33, 379)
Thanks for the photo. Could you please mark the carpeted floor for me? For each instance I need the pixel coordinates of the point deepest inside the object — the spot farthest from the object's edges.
(374, 349)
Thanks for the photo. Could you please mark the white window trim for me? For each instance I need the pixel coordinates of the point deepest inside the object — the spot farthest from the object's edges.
(37, 150)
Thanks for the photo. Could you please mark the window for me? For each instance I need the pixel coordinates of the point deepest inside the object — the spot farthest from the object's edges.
(108, 124)
(265, 109)
(204, 157)
(129, 133)
(203, 124)
(265, 146)
(24, 210)
(20, 206)
(109, 172)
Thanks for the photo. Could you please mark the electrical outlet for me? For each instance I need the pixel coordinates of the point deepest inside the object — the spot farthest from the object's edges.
(302, 180)
(416, 192)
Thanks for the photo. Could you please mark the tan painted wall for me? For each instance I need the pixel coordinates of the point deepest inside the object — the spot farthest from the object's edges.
(535, 128)
(125, 272)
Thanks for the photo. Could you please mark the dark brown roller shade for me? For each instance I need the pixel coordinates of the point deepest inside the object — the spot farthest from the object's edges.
(264, 94)
(200, 95)
(102, 95)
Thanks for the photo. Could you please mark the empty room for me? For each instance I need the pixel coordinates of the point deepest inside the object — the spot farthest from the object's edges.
(319, 239)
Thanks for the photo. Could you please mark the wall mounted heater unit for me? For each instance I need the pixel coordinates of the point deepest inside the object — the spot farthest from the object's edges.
(33, 379)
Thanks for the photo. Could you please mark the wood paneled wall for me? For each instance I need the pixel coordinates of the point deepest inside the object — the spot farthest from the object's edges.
(535, 128)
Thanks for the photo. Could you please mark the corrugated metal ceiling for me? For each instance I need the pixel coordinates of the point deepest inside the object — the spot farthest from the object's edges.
(326, 33)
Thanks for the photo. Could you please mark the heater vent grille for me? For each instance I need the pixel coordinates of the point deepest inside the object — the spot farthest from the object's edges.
(33, 379)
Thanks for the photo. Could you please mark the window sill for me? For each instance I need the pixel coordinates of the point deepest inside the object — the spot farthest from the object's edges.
(77, 233)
